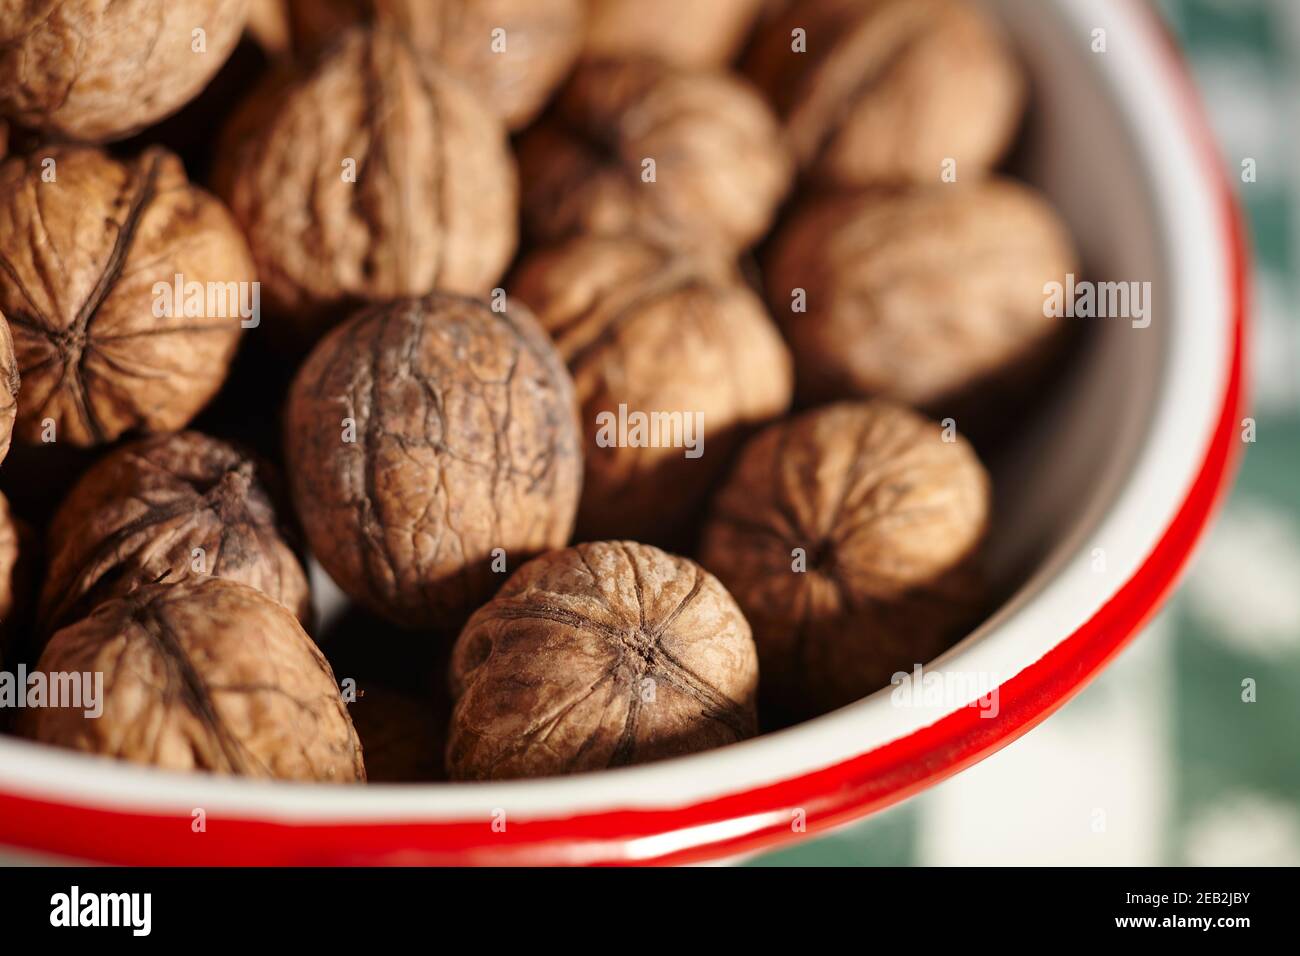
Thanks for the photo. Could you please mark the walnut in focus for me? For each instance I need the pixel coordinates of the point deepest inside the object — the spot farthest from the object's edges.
(422, 436)
(203, 674)
(368, 176)
(160, 508)
(91, 251)
(402, 735)
(681, 156)
(513, 71)
(96, 71)
(659, 334)
(849, 535)
(920, 296)
(600, 655)
(685, 32)
(885, 91)
(10, 383)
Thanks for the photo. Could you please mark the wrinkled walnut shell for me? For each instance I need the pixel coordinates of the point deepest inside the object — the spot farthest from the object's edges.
(685, 32)
(91, 70)
(600, 655)
(79, 260)
(720, 169)
(175, 503)
(888, 90)
(541, 39)
(655, 331)
(420, 437)
(10, 383)
(889, 517)
(203, 674)
(918, 296)
(433, 204)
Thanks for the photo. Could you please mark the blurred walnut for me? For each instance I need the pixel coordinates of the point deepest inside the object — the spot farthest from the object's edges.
(90, 254)
(888, 90)
(402, 735)
(91, 70)
(919, 296)
(369, 176)
(268, 23)
(600, 655)
(174, 503)
(9, 385)
(203, 674)
(686, 32)
(15, 576)
(513, 72)
(421, 437)
(678, 155)
(658, 334)
(849, 536)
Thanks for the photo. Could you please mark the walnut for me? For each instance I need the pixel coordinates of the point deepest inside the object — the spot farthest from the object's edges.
(655, 332)
(367, 177)
(268, 24)
(686, 32)
(513, 72)
(886, 91)
(90, 70)
(9, 385)
(424, 435)
(202, 674)
(919, 296)
(403, 736)
(850, 536)
(600, 655)
(15, 576)
(91, 251)
(168, 504)
(682, 156)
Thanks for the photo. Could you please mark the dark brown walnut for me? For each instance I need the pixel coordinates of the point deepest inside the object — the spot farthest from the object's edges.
(369, 176)
(663, 334)
(9, 385)
(849, 535)
(600, 655)
(889, 90)
(719, 168)
(425, 439)
(202, 674)
(90, 252)
(513, 71)
(159, 508)
(686, 32)
(402, 735)
(15, 577)
(96, 70)
(919, 296)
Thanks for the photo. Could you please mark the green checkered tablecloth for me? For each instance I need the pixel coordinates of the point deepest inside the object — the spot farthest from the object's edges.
(1160, 761)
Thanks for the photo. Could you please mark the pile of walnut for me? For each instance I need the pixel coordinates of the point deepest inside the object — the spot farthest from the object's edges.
(361, 289)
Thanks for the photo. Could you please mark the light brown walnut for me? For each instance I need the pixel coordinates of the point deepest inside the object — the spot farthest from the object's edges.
(159, 508)
(656, 332)
(850, 537)
(600, 655)
(99, 70)
(84, 240)
(202, 674)
(10, 382)
(421, 437)
(719, 171)
(921, 296)
(886, 91)
(685, 32)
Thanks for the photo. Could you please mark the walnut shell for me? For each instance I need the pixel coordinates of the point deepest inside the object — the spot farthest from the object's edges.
(202, 674)
(541, 39)
(600, 655)
(10, 383)
(423, 435)
(720, 170)
(91, 70)
(889, 517)
(14, 575)
(268, 24)
(657, 332)
(888, 90)
(173, 503)
(918, 296)
(82, 260)
(685, 32)
(434, 197)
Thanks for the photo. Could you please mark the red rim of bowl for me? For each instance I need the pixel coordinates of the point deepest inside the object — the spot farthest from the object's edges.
(737, 823)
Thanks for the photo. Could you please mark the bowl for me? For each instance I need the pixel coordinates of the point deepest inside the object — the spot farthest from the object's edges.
(1101, 499)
